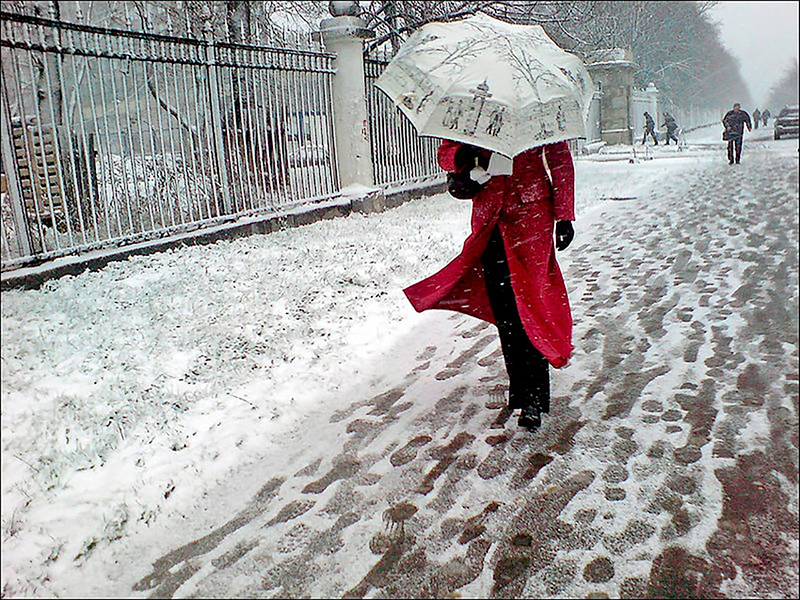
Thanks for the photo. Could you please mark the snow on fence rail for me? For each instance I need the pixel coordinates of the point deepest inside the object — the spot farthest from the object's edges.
(149, 135)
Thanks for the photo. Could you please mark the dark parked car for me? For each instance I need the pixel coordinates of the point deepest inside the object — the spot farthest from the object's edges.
(786, 122)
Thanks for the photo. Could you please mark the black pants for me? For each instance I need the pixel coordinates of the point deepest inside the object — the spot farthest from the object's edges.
(671, 136)
(735, 146)
(528, 371)
(652, 134)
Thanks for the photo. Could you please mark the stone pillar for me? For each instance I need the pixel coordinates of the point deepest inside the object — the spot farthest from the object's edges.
(612, 71)
(214, 120)
(344, 35)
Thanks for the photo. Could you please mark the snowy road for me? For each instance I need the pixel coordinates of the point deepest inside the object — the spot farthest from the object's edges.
(668, 466)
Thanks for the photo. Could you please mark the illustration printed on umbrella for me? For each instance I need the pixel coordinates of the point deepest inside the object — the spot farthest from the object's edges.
(500, 86)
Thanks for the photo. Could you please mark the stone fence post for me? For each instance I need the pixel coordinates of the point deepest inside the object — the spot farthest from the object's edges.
(214, 120)
(344, 35)
(612, 71)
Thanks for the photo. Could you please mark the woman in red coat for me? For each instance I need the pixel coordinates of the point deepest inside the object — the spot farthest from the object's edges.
(507, 272)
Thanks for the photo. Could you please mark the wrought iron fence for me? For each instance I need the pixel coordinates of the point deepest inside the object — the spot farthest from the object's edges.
(112, 137)
(593, 126)
(641, 101)
(594, 119)
(692, 116)
(399, 154)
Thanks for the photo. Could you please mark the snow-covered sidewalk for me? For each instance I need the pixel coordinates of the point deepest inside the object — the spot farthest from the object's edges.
(269, 417)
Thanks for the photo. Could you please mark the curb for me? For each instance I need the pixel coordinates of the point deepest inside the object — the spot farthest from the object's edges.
(34, 276)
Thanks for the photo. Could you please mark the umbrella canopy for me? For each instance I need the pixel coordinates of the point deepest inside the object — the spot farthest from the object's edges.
(489, 83)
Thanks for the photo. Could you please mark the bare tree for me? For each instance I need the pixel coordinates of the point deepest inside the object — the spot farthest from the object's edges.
(394, 21)
(785, 91)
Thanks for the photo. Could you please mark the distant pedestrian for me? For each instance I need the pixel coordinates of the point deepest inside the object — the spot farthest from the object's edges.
(765, 116)
(672, 128)
(756, 118)
(734, 122)
(649, 127)
(507, 273)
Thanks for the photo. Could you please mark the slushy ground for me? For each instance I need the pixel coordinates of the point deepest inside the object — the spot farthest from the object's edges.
(268, 417)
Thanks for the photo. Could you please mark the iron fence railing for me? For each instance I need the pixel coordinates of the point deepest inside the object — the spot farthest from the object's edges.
(690, 116)
(112, 137)
(594, 119)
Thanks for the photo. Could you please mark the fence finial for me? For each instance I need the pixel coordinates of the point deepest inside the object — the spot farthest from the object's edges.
(344, 9)
(205, 17)
(128, 20)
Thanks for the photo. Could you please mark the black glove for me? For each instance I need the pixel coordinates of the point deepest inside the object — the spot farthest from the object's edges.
(564, 234)
(466, 154)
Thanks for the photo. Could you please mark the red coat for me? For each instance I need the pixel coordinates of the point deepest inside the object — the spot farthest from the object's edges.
(526, 205)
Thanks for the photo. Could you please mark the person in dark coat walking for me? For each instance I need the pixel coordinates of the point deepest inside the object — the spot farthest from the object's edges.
(672, 128)
(649, 127)
(734, 122)
(756, 118)
(507, 273)
(765, 116)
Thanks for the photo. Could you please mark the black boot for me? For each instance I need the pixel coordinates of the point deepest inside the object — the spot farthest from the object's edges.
(530, 418)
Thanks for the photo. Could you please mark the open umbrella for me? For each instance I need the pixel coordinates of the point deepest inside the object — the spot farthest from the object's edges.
(489, 83)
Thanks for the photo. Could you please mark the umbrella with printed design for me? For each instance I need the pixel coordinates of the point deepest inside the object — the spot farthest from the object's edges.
(489, 83)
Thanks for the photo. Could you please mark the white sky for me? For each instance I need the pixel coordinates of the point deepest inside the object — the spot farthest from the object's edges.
(763, 36)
